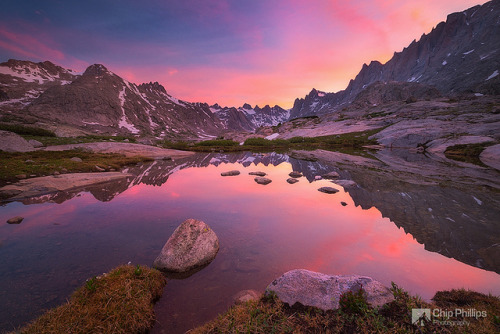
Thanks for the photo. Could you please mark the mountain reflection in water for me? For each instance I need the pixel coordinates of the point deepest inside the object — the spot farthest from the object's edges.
(264, 231)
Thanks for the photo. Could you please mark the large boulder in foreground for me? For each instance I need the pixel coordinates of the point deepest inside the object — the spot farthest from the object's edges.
(310, 288)
(192, 245)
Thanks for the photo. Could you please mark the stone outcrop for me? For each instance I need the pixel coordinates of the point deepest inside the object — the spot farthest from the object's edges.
(323, 291)
(192, 245)
(12, 142)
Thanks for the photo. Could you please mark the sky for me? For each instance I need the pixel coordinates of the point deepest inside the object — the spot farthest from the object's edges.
(229, 52)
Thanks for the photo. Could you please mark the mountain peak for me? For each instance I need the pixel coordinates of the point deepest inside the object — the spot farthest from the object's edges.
(247, 106)
(96, 70)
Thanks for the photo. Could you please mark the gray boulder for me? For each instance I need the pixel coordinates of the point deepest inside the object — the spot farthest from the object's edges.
(35, 143)
(262, 180)
(292, 180)
(192, 245)
(491, 156)
(310, 288)
(328, 190)
(12, 142)
(230, 173)
(76, 159)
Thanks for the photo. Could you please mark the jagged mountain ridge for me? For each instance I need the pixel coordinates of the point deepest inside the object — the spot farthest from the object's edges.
(99, 101)
(246, 118)
(461, 55)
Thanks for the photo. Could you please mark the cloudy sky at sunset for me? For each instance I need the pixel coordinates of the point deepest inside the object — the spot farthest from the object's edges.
(226, 51)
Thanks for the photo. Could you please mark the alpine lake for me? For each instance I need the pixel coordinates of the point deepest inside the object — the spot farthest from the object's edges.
(420, 221)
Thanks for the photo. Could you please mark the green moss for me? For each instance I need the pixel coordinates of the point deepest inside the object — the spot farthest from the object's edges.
(40, 163)
(26, 130)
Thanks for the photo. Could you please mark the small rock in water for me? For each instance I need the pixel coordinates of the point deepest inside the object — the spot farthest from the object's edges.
(317, 177)
(331, 175)
(76, 159)
(328, 190)
(245, 296)
(230, 173)
(257, 173)
(15, 220)
(295, 174)
(292, 180)
(343, 203)
(262, 180)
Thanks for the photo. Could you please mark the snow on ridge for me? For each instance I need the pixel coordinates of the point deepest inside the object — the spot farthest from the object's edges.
(466, 53)
(494, 74)
(273, 136)
(124, 122)
(444, 62)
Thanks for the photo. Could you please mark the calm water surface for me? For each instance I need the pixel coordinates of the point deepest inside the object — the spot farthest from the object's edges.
(263, 231)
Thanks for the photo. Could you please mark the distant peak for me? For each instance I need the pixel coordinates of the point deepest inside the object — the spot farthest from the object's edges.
(154, 86)
(247, 106)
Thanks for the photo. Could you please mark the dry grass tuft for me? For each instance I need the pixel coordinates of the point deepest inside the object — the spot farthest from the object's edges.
(118, 302)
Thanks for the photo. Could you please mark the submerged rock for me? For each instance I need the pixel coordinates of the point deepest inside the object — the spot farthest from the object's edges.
(230, 173)
(345, 183)
(15, 220)
(295, 174)
(323, 291)
(328, 190)
(245, 296)
(331, 175)
(292, 180)
(262, 180)
(192, 245)
(257, 173)
(343, 203)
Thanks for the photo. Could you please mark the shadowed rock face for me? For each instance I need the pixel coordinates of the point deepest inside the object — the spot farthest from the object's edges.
(457, 56)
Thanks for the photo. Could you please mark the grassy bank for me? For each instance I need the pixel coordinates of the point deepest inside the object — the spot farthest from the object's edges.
(269, 315)
(353, 140)
(41, 163)
(120, 301)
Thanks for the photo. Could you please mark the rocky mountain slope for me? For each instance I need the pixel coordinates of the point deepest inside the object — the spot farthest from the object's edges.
(99, 101)
(461, 55)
